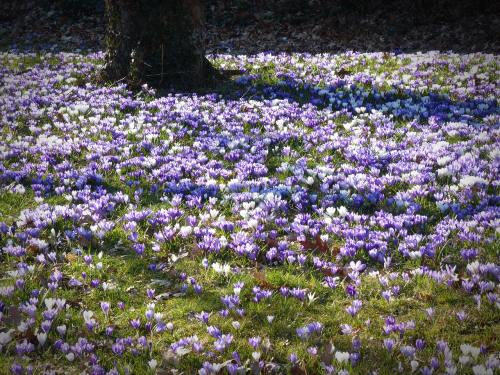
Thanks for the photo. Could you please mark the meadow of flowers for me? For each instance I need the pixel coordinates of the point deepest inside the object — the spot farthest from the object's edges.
(332, 214)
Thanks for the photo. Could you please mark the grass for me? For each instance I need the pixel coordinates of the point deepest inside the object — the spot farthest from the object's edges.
(131, 276)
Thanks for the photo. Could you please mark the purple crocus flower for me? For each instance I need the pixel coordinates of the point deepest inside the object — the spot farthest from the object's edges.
(135, 323)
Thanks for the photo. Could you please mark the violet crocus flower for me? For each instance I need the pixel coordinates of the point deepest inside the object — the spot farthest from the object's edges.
(387, 294)
(105, 306)
(254, 341)
(95, 283)
(20, 284)
(149, 314)
(408, 351)
(214, 331)
(346, 329)
(308, 330)
(354, 307)
(419, 344)
(313, 351)
(389, 344)
(118, 348)
(351, 290)
(139, 248)
(17, 369)
(223, 342)
(260, 294)
(46, 325)
(87, 259)
(203, 316)
(135, 323)
(461, 315)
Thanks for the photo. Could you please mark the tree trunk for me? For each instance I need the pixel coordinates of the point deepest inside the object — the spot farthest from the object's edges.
(159, 42)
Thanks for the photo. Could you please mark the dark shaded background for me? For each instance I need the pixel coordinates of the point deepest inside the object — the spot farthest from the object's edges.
(251, 26)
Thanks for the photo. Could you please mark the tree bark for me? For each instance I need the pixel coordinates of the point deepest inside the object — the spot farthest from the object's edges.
(159, 42)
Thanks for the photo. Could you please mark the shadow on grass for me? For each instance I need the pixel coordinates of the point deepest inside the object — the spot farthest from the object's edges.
(350, 97)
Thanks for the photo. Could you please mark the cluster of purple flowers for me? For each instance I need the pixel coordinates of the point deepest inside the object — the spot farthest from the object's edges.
(310, 329)
(343, 177)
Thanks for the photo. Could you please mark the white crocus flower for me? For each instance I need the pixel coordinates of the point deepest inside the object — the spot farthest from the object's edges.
(152, 363)
(464, 359)
(223, 241)
(87, 315)
(481, 370)
(311, 298)
(414, 366)
(342, 356)
(468, 181)
(61, 329)
(185, 231)
(5, 338)
(49, 303)
(41, 337)
(219, 268)
(23, 326)
(342, 211)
